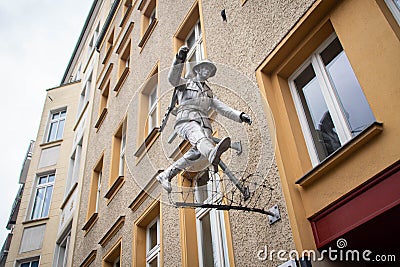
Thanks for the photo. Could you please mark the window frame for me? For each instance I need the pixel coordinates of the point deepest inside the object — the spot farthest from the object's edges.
(84, 96)
(154, 252)
(51, 121)
(38, 186)
(217, 224)
(394, 9)
(30, 261)
(197, 48)
(332, 101)
(65, 242)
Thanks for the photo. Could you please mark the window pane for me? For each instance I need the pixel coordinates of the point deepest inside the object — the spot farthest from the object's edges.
(38, 203)
(35, 264)
(207, 246)
(51, 178)
(63, 113)
(153, 263)
(46, 206)
(55, 116)
(318, 117)
(353, 102)
(152, 120)
(60, 129)
(52, 132)
(191, 39)
(153, 236)
(153, 97)
(42, 180)
(26, 264)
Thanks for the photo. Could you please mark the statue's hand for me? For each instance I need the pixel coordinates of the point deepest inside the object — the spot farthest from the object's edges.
(182, 53)
(246, 118)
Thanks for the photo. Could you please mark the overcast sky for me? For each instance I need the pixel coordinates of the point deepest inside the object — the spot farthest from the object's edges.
(37, 41)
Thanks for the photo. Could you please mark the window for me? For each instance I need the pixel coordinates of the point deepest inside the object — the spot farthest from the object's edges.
(34, 263)
(43, 193)
(149, 20)
(95, 189)
(104, 99)
(113, 257)
(211, 235)
(147, 233)
(85, 94)
(118, 153)
(126, 11)
(330, 103)
(149, 108)
(124, 59)
(74, 166)
(152, 123)
(123, 66)
(194, 41)
(56, 125)
(62, 251)
(93, 40)
(109, 47)
(394, 7)
(190, 34)
(153, 243)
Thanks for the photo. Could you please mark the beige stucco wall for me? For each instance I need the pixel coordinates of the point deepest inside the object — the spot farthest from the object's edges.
(65, 96)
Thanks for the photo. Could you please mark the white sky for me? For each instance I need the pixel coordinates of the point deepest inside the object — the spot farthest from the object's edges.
(37, 41)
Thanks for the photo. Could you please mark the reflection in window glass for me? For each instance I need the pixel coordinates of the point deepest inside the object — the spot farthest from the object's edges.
(358, 114)
(331, 99)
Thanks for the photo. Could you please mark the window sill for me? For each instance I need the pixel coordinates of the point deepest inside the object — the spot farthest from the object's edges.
(52, 143)
(33, 221)
(101, 118)
(148, 142)
(71, 191)
(112, 191)
(121, 80)
(90, 222)
(147, 33)
(340, 154)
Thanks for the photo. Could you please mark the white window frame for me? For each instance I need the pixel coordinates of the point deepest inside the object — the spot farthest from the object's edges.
(153, 109)
(153, 253)
(121, 167)
(217, 223)
(100, 176)
(40, 186)
(57, 121)
(198, 46)
(328, 92)
(394, 7)
(63, 251)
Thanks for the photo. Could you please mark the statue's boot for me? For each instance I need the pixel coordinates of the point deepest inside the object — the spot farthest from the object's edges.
(211, 152)
(166, 176)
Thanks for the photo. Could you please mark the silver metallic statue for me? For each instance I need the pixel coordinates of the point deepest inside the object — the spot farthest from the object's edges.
(194, 100)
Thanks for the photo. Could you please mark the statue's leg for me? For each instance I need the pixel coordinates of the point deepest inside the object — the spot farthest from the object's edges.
(201, 138)
(181, 164)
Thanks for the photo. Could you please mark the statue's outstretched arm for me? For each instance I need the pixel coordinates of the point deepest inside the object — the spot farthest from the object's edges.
(229, 112)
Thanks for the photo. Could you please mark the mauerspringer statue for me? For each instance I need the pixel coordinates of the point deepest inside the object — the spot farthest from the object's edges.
(194, 99)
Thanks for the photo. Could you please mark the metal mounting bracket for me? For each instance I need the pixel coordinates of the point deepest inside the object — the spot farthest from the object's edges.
(274, 214)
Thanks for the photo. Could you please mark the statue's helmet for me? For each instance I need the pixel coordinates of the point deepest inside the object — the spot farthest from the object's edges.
(205, 63)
